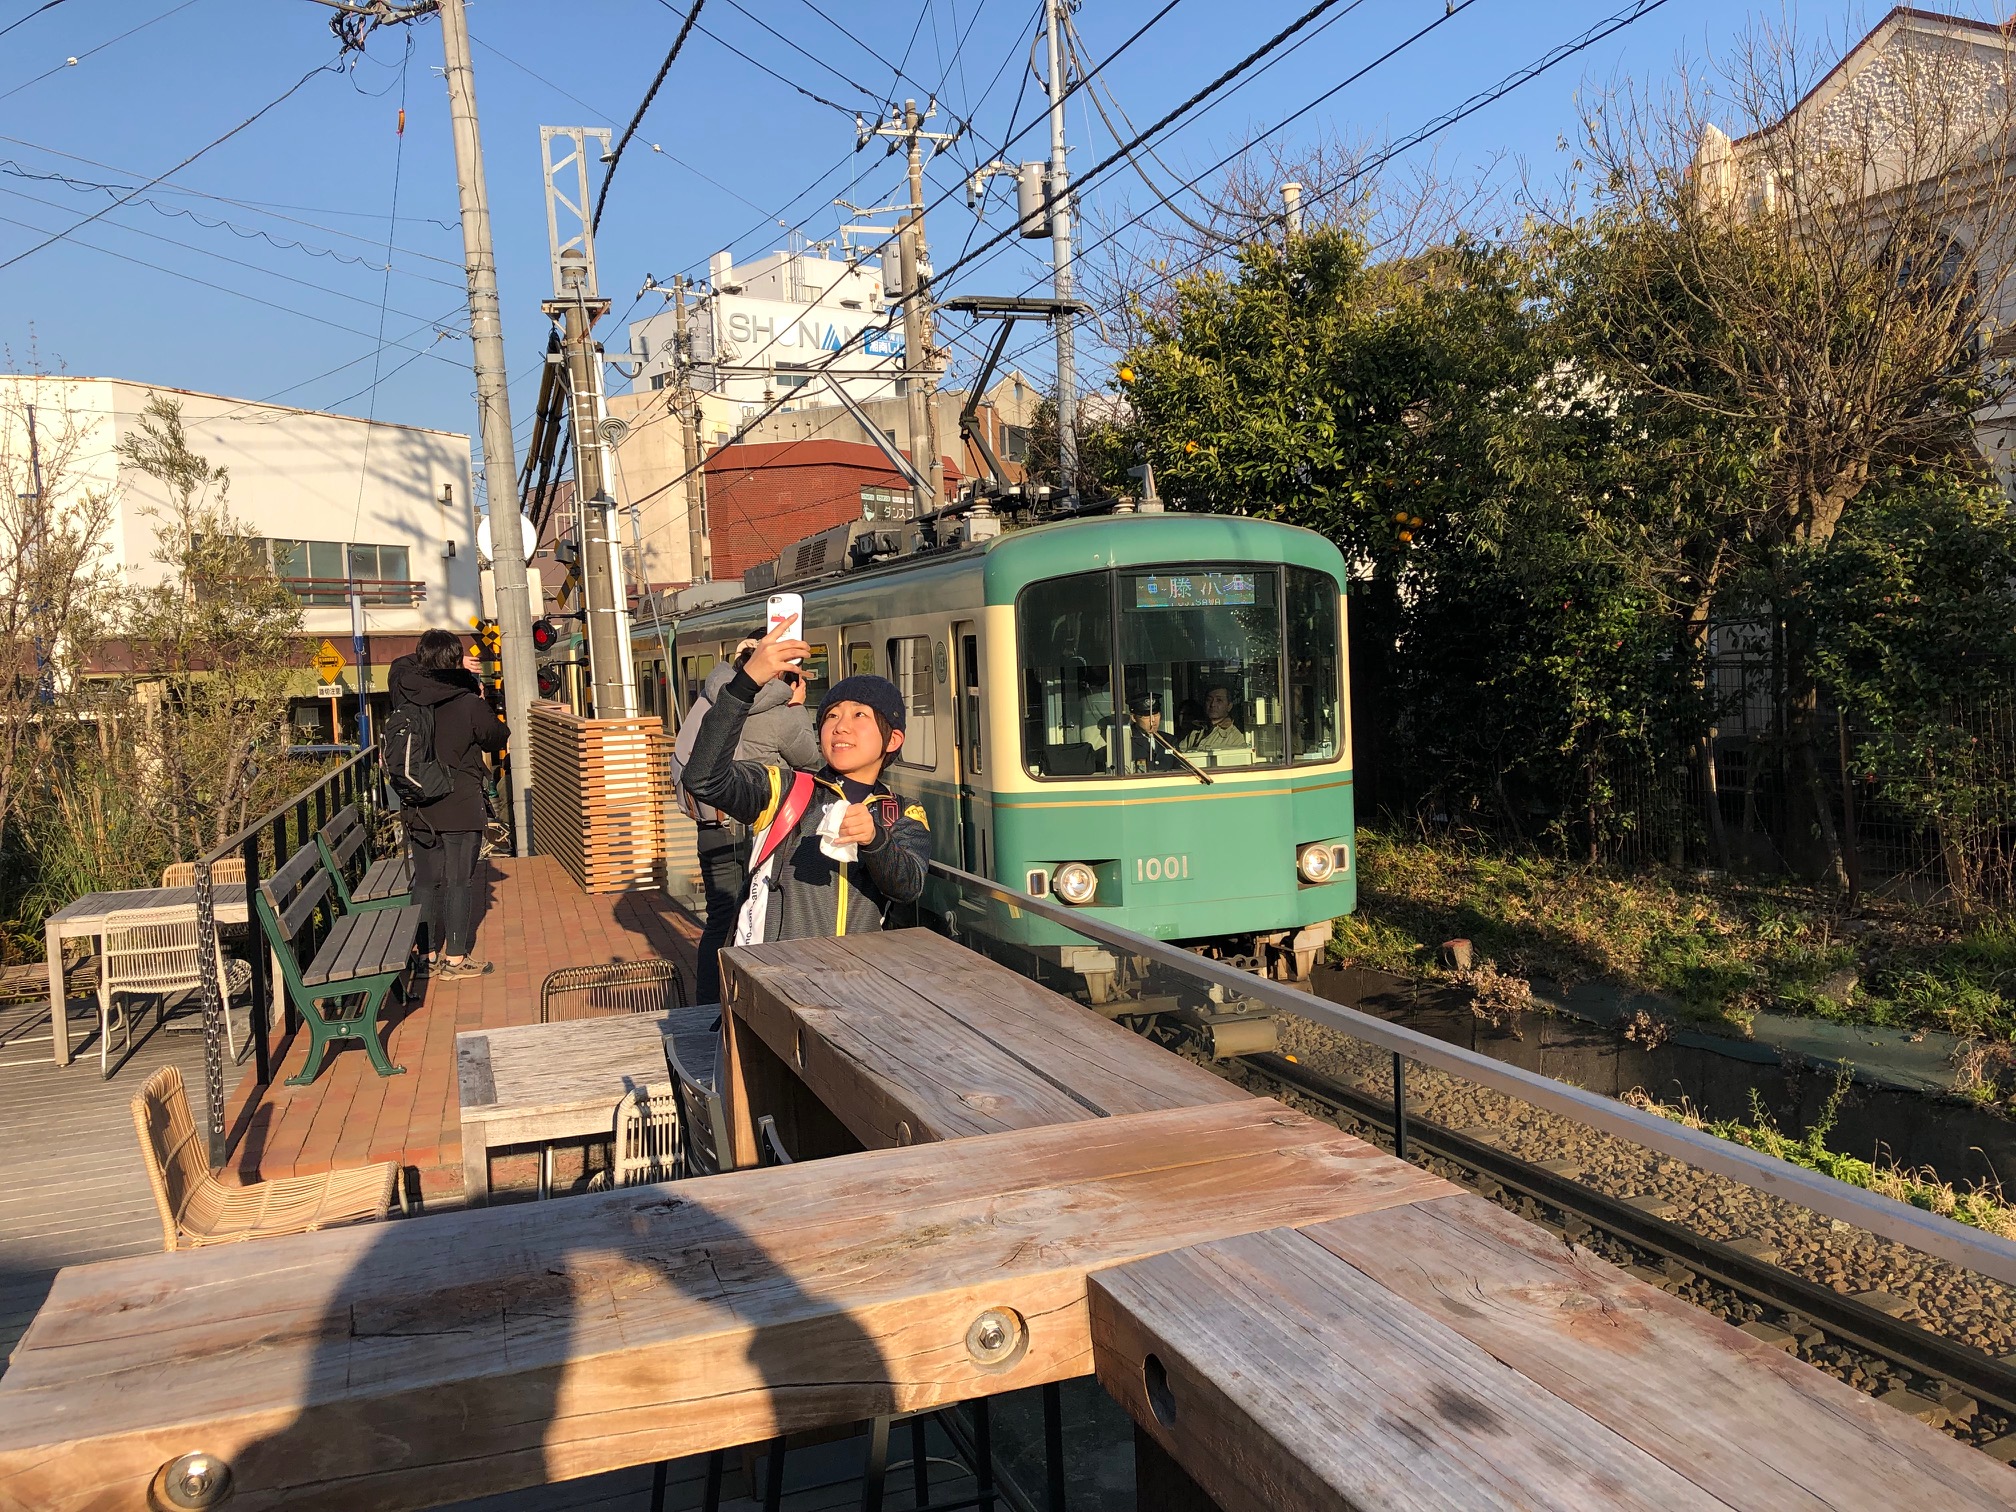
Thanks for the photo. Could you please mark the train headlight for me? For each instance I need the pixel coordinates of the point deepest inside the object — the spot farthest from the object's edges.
(1075, 882)
(1316, 863)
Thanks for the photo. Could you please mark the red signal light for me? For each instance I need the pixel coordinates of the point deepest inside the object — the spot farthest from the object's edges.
(544, 636)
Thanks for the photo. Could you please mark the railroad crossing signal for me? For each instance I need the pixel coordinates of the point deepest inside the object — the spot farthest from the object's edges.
(489, 640)
(329, 663)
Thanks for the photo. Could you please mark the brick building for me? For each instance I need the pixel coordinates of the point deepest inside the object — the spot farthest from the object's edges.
(763, 496)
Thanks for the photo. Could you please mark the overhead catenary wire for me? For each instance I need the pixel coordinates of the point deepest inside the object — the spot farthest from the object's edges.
(761, 67)
(47, 5)
(385, 291)
(616, 157)
(211, 145)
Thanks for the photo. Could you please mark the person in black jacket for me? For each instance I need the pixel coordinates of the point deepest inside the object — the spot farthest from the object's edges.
(445, 837)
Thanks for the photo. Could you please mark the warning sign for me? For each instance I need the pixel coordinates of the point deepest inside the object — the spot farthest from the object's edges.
(329, 661)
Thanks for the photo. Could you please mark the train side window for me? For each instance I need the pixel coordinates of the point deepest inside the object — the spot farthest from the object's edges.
(1067, 676)
(693, 673)
(969, 700)
(910, 670)
(860, 660)
(817, 675)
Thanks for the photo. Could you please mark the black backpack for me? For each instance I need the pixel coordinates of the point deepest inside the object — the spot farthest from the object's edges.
(406, 747)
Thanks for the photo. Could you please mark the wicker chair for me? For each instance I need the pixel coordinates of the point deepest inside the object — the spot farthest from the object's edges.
(197, 1209)
(183, 873)
(579, 992)
(157, 952)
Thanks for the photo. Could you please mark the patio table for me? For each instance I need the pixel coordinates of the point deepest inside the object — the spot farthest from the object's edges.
(538, 1083)
(85, 917)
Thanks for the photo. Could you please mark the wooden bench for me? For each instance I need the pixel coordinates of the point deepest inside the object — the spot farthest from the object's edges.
(1450, 1354)
(403, 1365)
(384, 884)
(340, 983)
(904, 1037)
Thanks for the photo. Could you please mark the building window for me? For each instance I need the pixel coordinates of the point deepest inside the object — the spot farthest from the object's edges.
(910, 670)
(319, 572)
(887, 504)
(785, 382)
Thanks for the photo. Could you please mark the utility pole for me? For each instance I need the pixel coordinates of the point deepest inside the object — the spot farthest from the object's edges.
(1060, 256)
(699, 547)
(493, 406)
(920, 358)
(577, 305)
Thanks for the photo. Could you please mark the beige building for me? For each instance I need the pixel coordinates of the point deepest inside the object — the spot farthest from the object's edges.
(1920, 112)
(332, 497)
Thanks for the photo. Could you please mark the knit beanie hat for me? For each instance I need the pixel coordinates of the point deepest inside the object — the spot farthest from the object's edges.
(878, 693)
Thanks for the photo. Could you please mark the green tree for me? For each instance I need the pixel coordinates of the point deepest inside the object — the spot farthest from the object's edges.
(1911, 610)
(215, 636)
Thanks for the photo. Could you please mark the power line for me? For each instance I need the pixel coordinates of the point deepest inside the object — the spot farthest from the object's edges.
(849, 80)
(851, 37)
(791, 84)
(47, 5)
(200, 282)
(205, 252)
(13, 169)
(384, 288)
(70, 63)
(331, 67)
(616, 158)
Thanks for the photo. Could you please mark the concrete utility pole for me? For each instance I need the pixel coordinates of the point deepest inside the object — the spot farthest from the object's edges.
(920, 359)
(700, 547)
(493, 406)
(577, 306)
(1060, 256)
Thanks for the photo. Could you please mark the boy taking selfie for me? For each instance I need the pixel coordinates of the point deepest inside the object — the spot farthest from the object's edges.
(829, 852)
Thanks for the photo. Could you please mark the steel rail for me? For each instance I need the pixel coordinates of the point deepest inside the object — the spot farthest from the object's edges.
(1841, 1318)
(1971, 1248)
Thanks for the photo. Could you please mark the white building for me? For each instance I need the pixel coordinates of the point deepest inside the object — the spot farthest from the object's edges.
(759, 327)
(333, 496)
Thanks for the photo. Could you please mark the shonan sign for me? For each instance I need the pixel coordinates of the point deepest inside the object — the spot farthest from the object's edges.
(763, 331)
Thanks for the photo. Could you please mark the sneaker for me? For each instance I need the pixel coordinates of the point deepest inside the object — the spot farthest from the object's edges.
(449, 971)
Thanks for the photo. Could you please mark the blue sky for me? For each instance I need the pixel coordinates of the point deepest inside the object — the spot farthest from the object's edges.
(258, 271)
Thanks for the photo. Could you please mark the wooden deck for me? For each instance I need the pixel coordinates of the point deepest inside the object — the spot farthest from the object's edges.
(75, 1188)
(534, 921)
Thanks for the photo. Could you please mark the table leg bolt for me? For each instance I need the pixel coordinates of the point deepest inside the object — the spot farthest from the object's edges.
(190, 1484)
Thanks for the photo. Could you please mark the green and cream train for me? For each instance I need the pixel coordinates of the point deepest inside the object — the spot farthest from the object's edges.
(1141, 715)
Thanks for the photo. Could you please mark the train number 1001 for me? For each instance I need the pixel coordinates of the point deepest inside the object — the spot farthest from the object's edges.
(1161, 868)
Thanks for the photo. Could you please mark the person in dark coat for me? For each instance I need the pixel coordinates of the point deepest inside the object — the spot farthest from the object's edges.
(445, 837)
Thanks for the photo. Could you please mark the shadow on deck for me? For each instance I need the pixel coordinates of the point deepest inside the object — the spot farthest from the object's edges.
(533, 921)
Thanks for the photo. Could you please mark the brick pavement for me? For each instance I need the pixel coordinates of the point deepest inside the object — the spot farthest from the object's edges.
(534, 921)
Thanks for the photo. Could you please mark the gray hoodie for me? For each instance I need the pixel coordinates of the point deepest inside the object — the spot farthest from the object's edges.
(775, 733)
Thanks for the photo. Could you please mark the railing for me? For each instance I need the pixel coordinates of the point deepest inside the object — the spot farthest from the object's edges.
(371, 592)
(975, 910)
(300, 816)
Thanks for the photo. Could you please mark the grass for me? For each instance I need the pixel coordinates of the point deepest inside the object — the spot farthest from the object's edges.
(1982, 1207)
(1720, 950)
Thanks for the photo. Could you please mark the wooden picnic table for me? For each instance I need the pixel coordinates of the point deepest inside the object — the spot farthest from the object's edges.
(904, 1037)
(1448, 1353)
(85, 917)
(537, 1083)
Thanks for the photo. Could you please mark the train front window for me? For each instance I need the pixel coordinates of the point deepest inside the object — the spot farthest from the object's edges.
(1200, 659)
(1067, 676)
(1315, 666)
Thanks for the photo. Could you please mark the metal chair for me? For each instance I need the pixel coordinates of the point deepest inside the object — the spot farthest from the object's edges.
(616, 987)
(770, 1149)
(704, 1146)
(183, 873)
(158, 951)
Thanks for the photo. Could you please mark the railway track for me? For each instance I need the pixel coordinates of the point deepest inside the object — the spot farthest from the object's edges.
(1970, 1394)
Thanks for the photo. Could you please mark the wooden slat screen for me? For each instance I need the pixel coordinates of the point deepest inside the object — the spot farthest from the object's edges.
(599, 795)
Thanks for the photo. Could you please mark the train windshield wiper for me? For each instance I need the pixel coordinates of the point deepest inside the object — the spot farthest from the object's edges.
(1195, 770)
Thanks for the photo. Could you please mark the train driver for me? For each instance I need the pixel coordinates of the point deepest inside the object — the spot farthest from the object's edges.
(1221, 730)
(1148, 749)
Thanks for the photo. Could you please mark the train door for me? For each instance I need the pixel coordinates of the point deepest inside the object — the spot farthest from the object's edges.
(966, 729)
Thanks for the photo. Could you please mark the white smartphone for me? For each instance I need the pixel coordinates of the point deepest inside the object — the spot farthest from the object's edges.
(789, 607)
